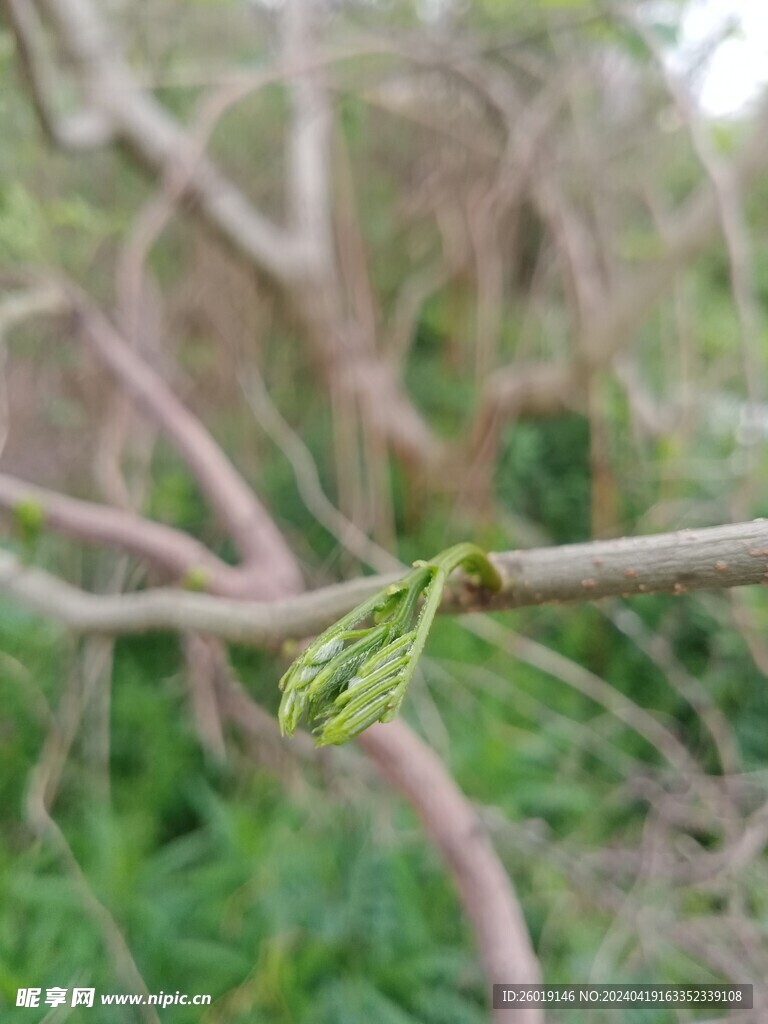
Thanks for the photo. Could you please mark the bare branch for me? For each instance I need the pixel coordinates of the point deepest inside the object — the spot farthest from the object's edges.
(730, 209)
(156, 139)
(712, 558)
(174, 552)
(659, 650)
(269, 561)
(346, 532)
(346, 359)
(204, 660)
(237, 506)
(254, 622)
(692, 230)
(461, 839)
(308, 145)
(44, 300)
(591, 686)
(76, 132)
(522, 391)
(708, 558)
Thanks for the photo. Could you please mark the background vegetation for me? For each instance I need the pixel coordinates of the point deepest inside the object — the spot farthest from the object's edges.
(296, 888)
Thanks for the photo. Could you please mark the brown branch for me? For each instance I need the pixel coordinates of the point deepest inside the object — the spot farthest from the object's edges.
(691, 232)
(84, 130)
(204, 660)
(486, 891)
(712, 558)
(706, 558)
(172, 551)
(616, 309)
(45, 300)
(416, 772)
(269, 567)
(458, 833)
(475, 866)
(156, 139)
(521, 391)
(307, 477)
(239, 509)
(309, 194)
(591, 686)
(346, 358)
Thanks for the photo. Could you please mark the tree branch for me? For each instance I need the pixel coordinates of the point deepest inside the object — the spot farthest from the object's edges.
(693, 229)
(712, 558)
(156, 139)
(309, 193)
(458, 833)
(174, 552)
(84, 130)
(261, 543)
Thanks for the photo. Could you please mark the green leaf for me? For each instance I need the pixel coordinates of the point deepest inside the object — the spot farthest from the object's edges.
(357, 672)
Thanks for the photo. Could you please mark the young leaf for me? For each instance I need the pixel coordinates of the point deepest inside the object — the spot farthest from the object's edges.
(357, 672)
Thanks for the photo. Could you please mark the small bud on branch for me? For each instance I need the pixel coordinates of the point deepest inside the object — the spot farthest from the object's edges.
(353, 675)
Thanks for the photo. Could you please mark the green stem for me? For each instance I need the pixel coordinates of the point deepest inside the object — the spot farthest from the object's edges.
(473, 560)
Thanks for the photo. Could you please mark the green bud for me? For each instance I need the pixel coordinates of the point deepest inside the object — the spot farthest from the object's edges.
(29, 518)
(196, 578)
(357, 672)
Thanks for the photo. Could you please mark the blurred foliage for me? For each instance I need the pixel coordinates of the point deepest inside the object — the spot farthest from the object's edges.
(287, 897)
